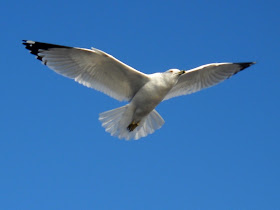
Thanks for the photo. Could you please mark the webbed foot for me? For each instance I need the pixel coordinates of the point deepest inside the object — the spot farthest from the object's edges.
(132, 126)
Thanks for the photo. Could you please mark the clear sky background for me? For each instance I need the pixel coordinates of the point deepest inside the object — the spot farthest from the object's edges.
(219, 148)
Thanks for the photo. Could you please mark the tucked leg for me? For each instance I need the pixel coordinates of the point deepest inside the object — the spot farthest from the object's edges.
(132, 126)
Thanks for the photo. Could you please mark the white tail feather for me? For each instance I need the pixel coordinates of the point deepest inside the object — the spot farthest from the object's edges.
(117, 120)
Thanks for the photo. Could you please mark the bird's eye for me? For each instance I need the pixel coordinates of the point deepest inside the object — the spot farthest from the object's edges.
(171, 71)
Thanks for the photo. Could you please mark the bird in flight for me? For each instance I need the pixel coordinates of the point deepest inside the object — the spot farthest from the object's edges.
(101, 71)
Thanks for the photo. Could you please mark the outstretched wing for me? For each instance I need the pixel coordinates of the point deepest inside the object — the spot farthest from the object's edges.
(205, 76)
(90, 67)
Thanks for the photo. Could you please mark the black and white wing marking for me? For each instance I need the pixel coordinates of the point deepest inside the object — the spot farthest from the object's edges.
(205, 76)
(90, 67)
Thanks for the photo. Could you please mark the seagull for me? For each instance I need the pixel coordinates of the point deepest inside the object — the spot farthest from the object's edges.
(98, 70)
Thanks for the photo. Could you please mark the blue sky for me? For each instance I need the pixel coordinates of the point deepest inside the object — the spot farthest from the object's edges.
(219, 148)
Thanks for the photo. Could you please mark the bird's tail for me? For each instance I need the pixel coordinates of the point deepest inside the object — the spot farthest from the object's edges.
(117, 120)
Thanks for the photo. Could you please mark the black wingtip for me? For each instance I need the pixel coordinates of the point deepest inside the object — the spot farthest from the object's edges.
(245, 65)
(34, 47)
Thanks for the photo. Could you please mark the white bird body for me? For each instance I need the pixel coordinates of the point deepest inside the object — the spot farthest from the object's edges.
(152, 93)
(142, 104)
(101, 71)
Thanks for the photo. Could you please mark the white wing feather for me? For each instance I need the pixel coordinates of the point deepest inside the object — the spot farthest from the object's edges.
(205, 76)
(92, 68)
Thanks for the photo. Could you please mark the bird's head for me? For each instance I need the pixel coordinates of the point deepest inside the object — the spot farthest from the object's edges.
(175, 72)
